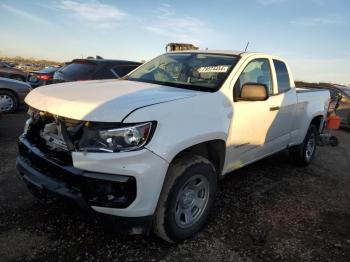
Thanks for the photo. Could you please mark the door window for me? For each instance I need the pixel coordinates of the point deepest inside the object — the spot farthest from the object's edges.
(257, 71)
(282, 76)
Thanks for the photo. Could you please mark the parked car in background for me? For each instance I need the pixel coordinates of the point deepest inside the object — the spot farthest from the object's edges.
(92, 69)
(42, 77)
(11, 72)
(12, 94)
(338, 93)
(343, 110)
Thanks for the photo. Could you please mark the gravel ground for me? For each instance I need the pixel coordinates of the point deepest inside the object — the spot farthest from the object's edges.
(268, 211)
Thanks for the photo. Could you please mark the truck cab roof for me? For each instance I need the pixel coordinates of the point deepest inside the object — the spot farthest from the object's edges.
(228, 52)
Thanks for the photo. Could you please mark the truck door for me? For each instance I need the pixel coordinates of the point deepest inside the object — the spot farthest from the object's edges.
(253, 131)
(285, 99)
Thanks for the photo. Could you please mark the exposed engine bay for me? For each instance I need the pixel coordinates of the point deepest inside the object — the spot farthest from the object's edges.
(57, 135)
(52, 133)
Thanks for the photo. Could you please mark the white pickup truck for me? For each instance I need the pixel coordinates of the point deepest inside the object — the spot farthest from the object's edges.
(147, 151)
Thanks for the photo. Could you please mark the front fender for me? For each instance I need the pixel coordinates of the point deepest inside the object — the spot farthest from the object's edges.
(187, 122)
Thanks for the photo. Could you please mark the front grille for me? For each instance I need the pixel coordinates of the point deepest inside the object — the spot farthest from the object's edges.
(45, 164)
(94, 187)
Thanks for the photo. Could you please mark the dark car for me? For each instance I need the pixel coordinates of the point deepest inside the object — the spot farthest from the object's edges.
(343, 110)
(11, 72)
(92, 69)
(42, 77)
(12, 94)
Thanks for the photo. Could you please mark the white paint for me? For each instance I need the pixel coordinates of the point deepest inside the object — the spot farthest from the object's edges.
(101, 100)
(184, 118)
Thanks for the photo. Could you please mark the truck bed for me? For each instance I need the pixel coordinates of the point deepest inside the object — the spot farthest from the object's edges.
(308, 89)
(311, 102)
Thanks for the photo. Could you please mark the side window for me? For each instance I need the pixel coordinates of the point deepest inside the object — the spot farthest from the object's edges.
(257, 71)
(282, 76)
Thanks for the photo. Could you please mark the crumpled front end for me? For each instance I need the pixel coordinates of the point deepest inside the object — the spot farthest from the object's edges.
(118, 184)
(45, 152)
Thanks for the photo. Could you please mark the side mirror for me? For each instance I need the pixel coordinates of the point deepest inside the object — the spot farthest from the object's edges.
(254, 92)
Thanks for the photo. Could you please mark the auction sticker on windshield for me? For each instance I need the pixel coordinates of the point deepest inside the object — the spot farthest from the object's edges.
(213, 69)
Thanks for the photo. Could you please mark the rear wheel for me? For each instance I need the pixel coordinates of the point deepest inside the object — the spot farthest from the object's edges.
(333, 141)
(186, 198)
(348, 119)
(303, 154)
(8, 101)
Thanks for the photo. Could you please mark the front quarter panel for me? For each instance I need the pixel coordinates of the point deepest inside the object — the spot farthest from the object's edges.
(187, 122)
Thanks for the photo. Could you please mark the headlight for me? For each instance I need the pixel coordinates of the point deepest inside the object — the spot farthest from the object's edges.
(126, 138)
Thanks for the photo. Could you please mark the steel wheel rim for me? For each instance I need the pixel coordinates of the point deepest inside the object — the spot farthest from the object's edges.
(310, 147)
(6, 103)
(191, 201)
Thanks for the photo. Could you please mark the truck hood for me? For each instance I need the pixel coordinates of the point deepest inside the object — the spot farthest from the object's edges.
(102, 100)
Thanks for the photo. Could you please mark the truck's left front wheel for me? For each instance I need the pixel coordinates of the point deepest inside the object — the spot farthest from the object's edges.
(186, 199)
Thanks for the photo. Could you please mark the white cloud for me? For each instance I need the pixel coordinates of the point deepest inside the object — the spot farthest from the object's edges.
(26, 15)
(93, 12)
(179, 28)
(317, 21)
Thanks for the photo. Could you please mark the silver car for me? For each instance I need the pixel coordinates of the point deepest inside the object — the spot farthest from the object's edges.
(12, 94)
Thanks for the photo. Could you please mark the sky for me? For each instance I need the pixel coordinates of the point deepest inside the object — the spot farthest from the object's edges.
(312, 35)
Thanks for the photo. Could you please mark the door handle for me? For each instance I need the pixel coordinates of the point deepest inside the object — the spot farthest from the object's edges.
(274, 108)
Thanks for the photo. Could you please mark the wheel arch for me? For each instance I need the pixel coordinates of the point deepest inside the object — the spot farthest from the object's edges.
(213, 150)
(318, 121)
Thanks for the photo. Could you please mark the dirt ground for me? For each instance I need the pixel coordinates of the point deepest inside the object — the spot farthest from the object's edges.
(269, 211)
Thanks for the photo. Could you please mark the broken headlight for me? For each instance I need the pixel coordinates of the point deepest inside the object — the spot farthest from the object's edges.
(127, 138)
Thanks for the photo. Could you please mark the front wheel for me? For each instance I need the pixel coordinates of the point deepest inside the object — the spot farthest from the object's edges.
(303, 154)
(8, 101)
(186, 198)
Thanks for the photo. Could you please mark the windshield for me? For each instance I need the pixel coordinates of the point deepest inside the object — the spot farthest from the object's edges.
(197, 71)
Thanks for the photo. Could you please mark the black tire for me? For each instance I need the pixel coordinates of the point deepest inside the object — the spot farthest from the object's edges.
(348, 120)
(300, 154)
(11, 99)
(188, 167)
(18, 78)
(333, 141)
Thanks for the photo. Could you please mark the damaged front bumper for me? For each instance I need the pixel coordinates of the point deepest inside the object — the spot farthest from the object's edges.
(48, 177)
